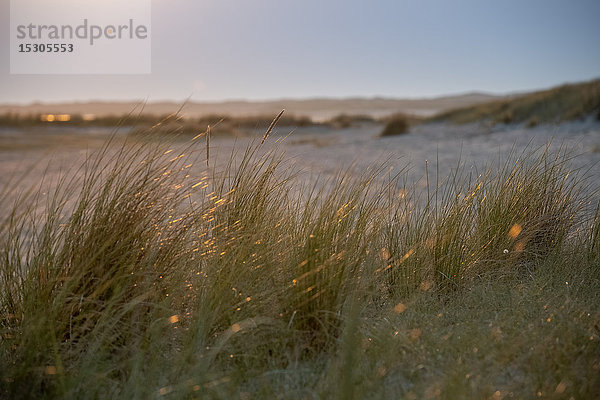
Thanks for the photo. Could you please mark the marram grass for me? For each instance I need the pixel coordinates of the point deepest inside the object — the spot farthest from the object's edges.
(145, 277)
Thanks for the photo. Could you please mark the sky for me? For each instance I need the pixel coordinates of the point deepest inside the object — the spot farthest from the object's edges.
(213, 50)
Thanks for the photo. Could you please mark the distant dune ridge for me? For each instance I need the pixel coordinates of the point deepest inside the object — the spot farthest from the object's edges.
(561, 103)
(319, 109)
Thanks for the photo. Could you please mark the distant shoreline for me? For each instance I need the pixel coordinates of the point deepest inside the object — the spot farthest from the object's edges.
(317, 109)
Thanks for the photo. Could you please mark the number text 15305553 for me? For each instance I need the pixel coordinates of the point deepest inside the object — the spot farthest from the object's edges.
(46, 48)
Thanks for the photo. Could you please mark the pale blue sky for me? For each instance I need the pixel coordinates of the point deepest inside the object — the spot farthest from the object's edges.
(265, 49)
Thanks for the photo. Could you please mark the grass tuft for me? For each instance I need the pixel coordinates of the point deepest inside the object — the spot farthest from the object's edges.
(397, 125)
(141, 276)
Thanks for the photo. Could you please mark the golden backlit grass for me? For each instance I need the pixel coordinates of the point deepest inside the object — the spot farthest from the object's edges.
(141, 276)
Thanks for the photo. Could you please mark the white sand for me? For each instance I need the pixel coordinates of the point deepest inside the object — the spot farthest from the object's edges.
(320, 151)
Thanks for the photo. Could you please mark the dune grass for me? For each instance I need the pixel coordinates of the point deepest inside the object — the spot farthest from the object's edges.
(141, 276)
(398, 125)
(559, 104)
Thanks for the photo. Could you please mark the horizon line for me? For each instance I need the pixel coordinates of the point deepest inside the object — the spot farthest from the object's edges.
(189, 100)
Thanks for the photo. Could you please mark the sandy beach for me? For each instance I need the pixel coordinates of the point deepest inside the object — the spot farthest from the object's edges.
(33, 156)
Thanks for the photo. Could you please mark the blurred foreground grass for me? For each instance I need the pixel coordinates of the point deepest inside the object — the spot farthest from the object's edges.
(142, 279)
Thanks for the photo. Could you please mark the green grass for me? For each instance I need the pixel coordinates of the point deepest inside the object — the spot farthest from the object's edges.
(140, 276)
(563, 103)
